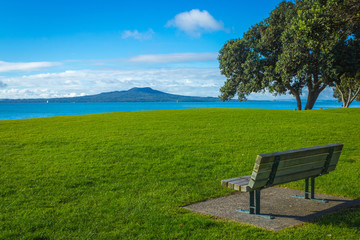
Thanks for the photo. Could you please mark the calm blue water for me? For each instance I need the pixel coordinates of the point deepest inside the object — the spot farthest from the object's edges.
(36, 110)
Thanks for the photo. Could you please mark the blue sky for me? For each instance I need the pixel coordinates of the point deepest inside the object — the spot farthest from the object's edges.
(70, 48)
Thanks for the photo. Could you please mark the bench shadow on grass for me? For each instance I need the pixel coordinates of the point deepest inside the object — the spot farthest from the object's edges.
(338, 214)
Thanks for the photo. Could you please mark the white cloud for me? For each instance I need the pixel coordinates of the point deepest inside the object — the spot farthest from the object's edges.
(175, 57)
(2, 85)
(185, 81)
(25, 66)
(37, 93)
(189, 81)
(196, 22)
(14, 93)
(138, 35)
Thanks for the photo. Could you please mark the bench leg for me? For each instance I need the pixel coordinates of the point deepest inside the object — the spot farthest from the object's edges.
(312, 189)
(312, 192)
(257, 202)
(251, 202)
(254, 205)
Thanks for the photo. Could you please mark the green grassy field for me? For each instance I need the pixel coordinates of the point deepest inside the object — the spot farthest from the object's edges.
(126, 175)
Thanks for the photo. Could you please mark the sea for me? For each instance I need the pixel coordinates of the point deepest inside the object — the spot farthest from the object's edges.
(12, 111)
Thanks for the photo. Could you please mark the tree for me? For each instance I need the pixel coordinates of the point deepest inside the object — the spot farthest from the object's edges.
(250, 63)
(309, 44)
(347, 53)
(291, 49)
(347, 71)
(347, 90)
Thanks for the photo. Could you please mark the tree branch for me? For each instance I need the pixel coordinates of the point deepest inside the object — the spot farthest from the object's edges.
(349, 97)
(341, 93)
(355, 95)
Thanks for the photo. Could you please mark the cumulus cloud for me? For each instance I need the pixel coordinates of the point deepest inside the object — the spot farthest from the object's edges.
(138, 35)
(38, 93)
(196, 22)
(175, 57)
(2, 85)
(189, 81)
(25, 66)
(186, 81)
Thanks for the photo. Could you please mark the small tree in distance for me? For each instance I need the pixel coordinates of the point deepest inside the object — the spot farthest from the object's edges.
(347, 90)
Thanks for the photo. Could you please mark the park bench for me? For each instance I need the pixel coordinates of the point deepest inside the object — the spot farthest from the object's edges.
(282, 167)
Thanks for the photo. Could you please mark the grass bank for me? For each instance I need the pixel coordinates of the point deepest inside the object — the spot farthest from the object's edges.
(126, 175)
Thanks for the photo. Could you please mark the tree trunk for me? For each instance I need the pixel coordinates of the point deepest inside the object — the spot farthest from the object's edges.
(312, 97)
(354, 96)
(298, 102)
(341, 94)
(347, 100)
(314, 92)
(297, 96)
(310, 102)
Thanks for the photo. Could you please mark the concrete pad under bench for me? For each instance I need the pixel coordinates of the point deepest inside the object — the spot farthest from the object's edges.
(287, 210)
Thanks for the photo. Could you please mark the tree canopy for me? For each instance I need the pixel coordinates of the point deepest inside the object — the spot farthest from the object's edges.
(347, 53)
(292, 49)
(347, 72)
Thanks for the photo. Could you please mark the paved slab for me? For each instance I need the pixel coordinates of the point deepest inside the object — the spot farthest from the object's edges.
(287, 210)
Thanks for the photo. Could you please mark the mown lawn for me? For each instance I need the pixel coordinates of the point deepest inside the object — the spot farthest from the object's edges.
(126, 175)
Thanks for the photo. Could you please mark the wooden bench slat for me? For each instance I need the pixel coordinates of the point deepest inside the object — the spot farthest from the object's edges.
(264, 172)
(248, 188)
(236, 183)
(283, 172)
(226, 181)
(286, 178)
(289, 170)
(245, 189)
(297, 153)
(297, 161)
(235, 179)
(335, 158)
(239, 183)
(286, 164)
(242, 188)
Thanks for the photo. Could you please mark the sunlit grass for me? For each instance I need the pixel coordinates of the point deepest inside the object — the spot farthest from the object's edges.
(126, 175)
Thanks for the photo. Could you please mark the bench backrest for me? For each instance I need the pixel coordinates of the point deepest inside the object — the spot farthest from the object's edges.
(287, 166)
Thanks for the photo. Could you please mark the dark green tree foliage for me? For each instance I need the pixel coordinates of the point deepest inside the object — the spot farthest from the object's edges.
(291, 49)
(347, 53)
(346, 12)
(308, 44)
(249, 63)
(347, 66)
